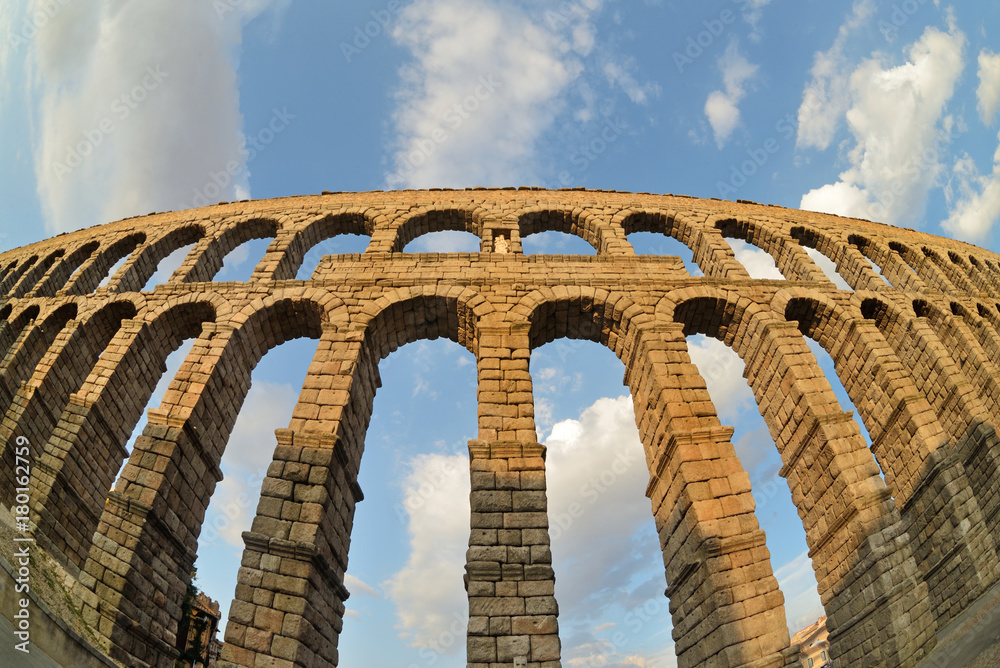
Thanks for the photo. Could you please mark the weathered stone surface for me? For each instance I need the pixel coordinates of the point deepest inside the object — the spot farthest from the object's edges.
(902, 535)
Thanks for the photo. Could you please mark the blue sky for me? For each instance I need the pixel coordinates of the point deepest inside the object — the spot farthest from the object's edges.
(882, 110)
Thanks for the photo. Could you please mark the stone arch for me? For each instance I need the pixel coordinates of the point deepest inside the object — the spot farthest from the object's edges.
(586, 224)
(969, 424)
(897, 272)
(33, 341)
(847, 510)
(57, 278)
(82, 459)
(960, 340)
(7, 269)
(37, 405)
(426, 220)
(206, 259)
(711, 253)
(90, 276)
(293, 242)
(36, 272)
(325, 436)
(687, 451)
(137, 272)
(163, 508)
(14, 275)
(929, 484)
(978, 272)
(11, 328)
(793, 262)
(850, 263)
(944, 272)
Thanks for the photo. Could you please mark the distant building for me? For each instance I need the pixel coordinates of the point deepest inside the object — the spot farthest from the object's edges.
(815, 647)
(196, 633)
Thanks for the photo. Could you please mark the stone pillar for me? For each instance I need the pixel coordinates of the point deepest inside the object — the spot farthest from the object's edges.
(509, 577)
(290, 594)
(510, 581)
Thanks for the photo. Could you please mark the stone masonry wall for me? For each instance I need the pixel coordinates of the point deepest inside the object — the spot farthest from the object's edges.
(903, 534)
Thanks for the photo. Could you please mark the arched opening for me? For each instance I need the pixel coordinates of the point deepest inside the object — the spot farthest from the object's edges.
(102, 269)
(57, 278)
(865, 247)
(339, 244)
(408, 547)
(559, 232)
(19, 362)
(555, 242)
(33, 275)
(605, 549)
(759, 262)
(828, 267)
(437, 220)
(724, 374)
(448, 241)
(239, 263)
(93, 430)
(15, 275)
(275, 383)
(656, 243)
(166, 267)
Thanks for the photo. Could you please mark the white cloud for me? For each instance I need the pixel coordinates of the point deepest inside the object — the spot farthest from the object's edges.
(897, 152)
(988, 93)
(357, 586)
(722, 106)
(752, 11)
(249, 451)
(604, 545)
(826, 96)
(829, 267)
(797, 581)
(131, 119)
(268, 406)
(428, 592)
(487, 79)
(975, 208)
(758, 262)
(619, 74)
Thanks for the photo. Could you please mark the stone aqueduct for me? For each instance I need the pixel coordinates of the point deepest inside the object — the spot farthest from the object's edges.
(896, 557)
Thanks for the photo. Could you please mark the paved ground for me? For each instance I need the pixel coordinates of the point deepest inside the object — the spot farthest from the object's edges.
(972, 640)
(12, 658)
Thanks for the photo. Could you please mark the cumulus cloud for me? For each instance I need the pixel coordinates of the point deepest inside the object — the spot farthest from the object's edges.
(826, 96)
(897, 152)
(133, 120)
(487, 79)
(427, 592)
(722, 106)
(974, 199)
(604, 545)
(988, 93)
(491, 86)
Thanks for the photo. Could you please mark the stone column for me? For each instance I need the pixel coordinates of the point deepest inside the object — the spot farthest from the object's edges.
(509, 577)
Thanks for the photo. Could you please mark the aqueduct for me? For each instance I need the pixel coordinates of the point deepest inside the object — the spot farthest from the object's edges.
(896, 557)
